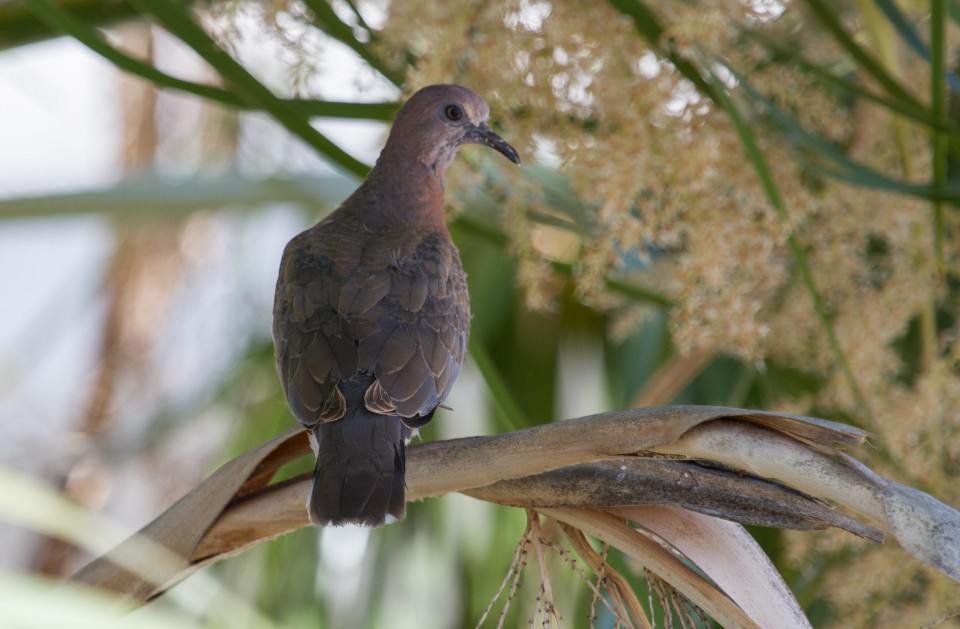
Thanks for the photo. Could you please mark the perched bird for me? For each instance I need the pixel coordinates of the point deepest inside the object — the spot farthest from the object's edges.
(371, 314)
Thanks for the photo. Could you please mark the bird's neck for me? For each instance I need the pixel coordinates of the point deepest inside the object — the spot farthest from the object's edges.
(405, 191)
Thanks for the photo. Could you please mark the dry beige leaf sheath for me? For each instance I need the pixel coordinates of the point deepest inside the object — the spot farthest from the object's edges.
(599, 473)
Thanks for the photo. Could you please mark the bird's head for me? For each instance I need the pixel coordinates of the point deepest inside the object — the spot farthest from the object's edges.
(437, 120)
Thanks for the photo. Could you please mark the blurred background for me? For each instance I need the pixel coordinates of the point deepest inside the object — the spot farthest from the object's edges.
(743, 203)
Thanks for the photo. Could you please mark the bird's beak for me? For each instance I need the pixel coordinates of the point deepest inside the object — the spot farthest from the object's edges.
(482, 134)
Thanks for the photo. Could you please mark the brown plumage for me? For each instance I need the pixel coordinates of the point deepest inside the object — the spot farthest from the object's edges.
(372, 314)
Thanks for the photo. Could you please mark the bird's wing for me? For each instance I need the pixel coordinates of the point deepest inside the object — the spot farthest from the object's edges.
(415, 336)
(402, 320)
(312, 356)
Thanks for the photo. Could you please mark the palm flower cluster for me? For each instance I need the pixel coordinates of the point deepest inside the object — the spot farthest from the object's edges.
(677, 205)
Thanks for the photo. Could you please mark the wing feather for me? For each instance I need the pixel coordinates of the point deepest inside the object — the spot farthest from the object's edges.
(401, 323)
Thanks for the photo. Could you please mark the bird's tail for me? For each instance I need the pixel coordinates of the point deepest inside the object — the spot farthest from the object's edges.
(359, 474)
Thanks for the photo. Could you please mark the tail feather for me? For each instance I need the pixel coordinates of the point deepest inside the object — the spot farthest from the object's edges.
(359, 474)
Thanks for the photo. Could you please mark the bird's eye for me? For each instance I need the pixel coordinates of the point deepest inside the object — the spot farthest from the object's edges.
(453, 112)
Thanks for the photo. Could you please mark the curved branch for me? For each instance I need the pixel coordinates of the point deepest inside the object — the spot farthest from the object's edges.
(593, 463)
